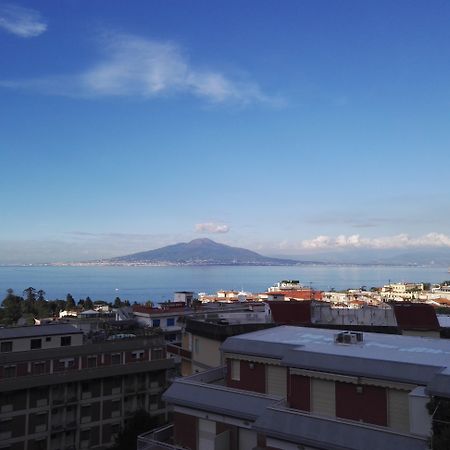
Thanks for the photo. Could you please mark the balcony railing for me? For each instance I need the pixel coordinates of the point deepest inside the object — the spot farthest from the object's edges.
(158, 439)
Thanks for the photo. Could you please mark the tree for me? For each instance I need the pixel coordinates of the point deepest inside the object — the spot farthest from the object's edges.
(439, 409)
(12, 308)
(70, 302)
(88, 303)
(30, 300)
(139, 423)
(117, 303)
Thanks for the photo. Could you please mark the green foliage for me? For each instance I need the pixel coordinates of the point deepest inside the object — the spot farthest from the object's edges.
(88, 304)
(70, 302)
(12, 308)
(139, 423)
(439, 409)
(28, 304)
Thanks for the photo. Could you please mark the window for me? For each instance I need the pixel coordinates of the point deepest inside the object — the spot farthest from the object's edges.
(35, 343)
(156, 322)
(196, 345)
(9, 371)
(48, 339)
(85, 413)
(66, 341)
(235, 370)
(116, 358)
(115, 410)
(5, 428)
(6, 346)
(92, 361)
(66, 363)
(157, 353)
(39, 367)
(138, 355)
(170, 322)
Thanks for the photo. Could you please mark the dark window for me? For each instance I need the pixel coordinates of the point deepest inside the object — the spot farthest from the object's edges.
(156, 322)
(170, 322)
(138, 355)
(9, 371)
(92, 361)
(39, 368)
(6, 346)
(66, 340)
(48, 339)
(157, 353)
(35, 343)
(116, 358)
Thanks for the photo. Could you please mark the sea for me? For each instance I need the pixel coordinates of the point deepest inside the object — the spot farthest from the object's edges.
(158, 284)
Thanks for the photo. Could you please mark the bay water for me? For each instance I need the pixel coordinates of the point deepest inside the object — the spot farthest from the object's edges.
(159, 283)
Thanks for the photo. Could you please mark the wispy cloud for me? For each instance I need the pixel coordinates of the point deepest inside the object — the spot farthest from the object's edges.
(386, 242)
(211, 227)
(145, 68)
(22, 22)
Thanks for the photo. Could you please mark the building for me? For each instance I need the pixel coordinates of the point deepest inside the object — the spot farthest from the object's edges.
(286, 285)
(205, 333)
(312, 389)
(57, 392)
(415, 319)
(405, 291)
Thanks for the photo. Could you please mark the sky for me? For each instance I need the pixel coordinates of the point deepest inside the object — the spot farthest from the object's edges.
(290, 128)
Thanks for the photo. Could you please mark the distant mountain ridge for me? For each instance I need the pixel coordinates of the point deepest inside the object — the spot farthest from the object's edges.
(202, 252)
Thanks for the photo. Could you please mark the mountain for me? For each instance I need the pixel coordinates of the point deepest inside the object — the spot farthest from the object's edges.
(202, 252)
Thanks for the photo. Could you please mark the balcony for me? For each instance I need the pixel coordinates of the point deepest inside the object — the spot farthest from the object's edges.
(158, 439)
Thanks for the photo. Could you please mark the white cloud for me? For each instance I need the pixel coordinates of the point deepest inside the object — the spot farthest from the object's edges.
(22, 22)
(211, 227)
(145, 68)
(385, 242)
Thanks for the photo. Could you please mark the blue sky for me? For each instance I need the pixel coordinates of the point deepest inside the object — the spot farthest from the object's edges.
(287, 127)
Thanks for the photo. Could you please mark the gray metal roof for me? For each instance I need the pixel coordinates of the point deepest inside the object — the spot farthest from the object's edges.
(272, 418)
(37, 330)
(329, 434)
(218, 399)
(386, 356)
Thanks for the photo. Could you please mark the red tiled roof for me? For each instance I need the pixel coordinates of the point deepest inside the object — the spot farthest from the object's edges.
(302, 295)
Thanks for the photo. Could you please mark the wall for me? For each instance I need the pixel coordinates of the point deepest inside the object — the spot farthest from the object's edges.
(24, 344)
(299, 392)
(206, 352)
(252, 376)
(369, 405)
(185, 430)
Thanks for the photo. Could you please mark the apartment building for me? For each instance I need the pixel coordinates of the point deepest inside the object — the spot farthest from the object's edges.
(205, 333)
(57, 392)
(312, 389)
(406, 291)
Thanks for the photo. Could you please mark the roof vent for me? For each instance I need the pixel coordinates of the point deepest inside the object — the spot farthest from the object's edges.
(348, 337)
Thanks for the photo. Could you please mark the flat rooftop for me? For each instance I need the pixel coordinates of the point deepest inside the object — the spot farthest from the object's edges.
(37, 330)
(395, 357)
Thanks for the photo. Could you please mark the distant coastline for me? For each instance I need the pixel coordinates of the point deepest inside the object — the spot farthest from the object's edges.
(110, 263)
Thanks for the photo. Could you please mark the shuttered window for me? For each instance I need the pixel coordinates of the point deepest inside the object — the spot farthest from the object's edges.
(398, 410)
(323, 397)
(206, 434)
(276, 380)
(235, 370)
